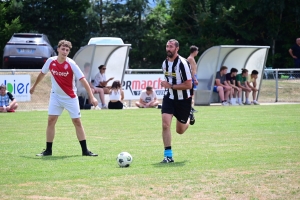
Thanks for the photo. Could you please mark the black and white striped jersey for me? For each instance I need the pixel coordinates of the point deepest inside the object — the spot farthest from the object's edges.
(177, 72)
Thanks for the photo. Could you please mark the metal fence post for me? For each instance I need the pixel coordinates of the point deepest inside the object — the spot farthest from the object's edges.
(13, 71)
(276, 75)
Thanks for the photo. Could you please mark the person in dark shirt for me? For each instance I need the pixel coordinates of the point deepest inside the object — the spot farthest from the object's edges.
(295, 53)
(5, 97)
(221, 87)
(230, 78)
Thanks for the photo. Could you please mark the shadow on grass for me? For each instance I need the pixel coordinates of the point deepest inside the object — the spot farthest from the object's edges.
(175, 164)
(50, 157)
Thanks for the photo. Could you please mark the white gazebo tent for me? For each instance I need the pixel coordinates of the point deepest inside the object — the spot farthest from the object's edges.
(114, 57)
(239, 57)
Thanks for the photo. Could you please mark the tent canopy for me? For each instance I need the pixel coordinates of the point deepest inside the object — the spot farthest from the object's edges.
(114, 57)
(231, 56)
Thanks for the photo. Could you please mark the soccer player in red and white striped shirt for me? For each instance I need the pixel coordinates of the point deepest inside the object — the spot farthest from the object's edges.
(63, 95)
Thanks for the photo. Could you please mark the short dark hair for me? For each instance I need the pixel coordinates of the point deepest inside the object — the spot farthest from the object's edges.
(244, 71)
(2, 86)
(223, 67)
(175, 41)
(101, 66)
(254, 72)
(233, 70)
(148, 88)
(193, 48)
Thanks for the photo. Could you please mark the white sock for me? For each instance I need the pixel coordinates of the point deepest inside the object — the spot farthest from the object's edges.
(240, 100)
(247, 100)
(233, 100)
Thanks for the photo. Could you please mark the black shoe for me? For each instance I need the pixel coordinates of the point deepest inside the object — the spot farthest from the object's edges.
(45, 153)
(192, 118)
(167, 160)
(89, 153)
(194, 111)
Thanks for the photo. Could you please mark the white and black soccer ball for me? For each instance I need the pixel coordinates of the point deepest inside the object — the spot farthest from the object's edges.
(124, 159)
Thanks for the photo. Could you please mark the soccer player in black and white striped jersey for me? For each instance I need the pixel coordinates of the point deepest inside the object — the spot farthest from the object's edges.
(178, 96)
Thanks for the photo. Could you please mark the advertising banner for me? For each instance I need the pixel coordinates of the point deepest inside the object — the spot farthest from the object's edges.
(17, 85)
(133, 85)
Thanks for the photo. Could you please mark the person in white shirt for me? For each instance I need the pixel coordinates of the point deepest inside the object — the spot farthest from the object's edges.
(100, 79)
(148, 98)
(81, 90)
(251, 82)
(116, 96)
(63, 95)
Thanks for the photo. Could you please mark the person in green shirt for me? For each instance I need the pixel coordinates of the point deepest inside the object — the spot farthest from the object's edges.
(241, 82)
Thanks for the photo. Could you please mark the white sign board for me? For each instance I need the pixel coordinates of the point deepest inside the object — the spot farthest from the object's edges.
(17, 85)
(133, 84)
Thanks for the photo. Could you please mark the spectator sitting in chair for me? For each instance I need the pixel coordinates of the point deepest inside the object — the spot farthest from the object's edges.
(252, 80)
(100, 79)
(236, 91)
(221, 86)
(148, 98)
(81, 90)
(241, 82)
(5, 96)
(116, 96)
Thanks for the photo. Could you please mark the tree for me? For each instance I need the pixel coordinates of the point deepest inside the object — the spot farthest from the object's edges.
(7, 27)
(58, 19)
(199, 23)
(266, 22)
(156, 36)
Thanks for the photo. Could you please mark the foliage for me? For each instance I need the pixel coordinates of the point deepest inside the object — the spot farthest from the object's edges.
(205, 23)
(155, 37)
(7, 28)
(58, 19)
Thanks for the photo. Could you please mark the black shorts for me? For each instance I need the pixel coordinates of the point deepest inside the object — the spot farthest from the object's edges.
(179, 108)
(115, 105)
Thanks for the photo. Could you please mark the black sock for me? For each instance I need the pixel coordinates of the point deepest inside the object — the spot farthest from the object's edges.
(167, 148)
(83, 145)
(49, 146)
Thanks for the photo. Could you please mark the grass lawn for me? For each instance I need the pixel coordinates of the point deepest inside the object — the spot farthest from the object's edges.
(249, 152)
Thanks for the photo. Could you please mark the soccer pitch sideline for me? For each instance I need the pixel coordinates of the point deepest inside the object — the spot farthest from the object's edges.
(249, 152)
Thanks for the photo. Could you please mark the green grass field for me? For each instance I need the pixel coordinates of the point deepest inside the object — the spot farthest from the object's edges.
(249, 152)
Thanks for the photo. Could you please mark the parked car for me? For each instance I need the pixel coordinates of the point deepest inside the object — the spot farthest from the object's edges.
(27, 51)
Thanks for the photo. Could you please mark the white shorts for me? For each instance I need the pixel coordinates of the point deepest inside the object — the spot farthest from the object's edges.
(57, 104)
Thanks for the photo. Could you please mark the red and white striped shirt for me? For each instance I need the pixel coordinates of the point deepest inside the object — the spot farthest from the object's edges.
(63, 79)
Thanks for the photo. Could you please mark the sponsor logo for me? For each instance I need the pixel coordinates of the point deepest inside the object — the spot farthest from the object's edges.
(17, 87)
(170, 74)
(136, 86)
(54, 64)
(56, 73)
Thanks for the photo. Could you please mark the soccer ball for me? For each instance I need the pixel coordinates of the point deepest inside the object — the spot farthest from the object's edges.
(124, 159)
